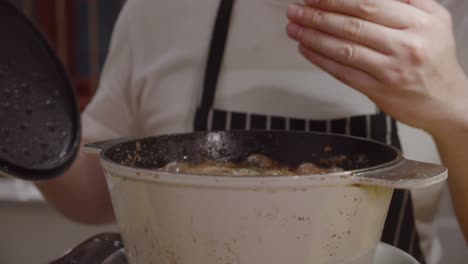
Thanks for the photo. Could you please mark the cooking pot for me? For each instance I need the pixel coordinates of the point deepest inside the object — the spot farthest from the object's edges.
(169, 218)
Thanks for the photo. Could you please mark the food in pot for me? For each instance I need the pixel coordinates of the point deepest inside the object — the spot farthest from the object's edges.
(253, 165)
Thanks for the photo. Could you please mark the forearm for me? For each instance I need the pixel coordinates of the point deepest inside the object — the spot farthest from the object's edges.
(81, 193)
(453, 148)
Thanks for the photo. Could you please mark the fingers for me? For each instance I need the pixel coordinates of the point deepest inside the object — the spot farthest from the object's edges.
(339, 50)
(360, 80)
(351, 28)
(389, 13)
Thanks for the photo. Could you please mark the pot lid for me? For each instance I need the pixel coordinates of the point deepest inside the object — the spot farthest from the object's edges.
(40, 130)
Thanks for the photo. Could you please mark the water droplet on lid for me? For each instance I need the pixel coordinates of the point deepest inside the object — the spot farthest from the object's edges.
(5, 131)
(63, 154)
(50, 103)
(6, 92)
(25, 87)
(50, 126)
(3, 69)
(5, 106)
(27, 153)
(16, 92)
(63, 134)
(44, 158)
(24, 126)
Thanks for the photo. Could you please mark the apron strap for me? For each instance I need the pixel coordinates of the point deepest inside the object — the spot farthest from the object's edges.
(213, 66)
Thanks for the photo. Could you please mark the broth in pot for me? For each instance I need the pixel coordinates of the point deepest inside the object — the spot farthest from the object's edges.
(253, 165)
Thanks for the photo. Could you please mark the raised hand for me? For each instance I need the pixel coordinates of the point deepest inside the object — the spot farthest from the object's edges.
(401, 54)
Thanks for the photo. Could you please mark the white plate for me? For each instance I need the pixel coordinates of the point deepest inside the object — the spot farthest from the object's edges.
(387, 254)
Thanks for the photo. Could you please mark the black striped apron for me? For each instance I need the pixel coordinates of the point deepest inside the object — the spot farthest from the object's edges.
(399, 227)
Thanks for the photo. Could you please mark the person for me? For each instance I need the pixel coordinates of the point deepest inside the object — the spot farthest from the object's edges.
(403, 57)
(399, 56)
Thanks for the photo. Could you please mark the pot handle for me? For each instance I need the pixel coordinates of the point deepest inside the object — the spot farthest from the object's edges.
(97, 147)
(406, 174)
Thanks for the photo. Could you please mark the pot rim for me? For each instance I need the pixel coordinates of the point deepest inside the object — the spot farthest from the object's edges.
(231, 182)
(296, 181)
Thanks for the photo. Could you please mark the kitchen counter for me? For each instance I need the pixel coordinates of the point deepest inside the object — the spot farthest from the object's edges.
(32, 231)
(12, 190)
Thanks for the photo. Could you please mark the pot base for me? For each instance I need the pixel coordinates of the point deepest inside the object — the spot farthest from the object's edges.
(107, 248)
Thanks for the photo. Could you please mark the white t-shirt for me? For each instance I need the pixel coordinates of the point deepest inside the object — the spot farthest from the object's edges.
(152, 80)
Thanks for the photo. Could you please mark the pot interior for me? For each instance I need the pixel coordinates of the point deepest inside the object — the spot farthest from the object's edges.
(289, 148)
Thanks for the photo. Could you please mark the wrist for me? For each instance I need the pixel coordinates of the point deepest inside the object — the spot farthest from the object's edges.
(450, 130)
(453, 125)
(454, 121)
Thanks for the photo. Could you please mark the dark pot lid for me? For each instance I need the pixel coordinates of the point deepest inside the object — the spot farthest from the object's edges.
(40, 123)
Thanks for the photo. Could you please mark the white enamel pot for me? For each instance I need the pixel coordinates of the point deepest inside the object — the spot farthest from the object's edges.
(167, 218)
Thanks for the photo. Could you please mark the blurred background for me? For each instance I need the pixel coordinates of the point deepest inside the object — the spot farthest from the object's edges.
(80, 30)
